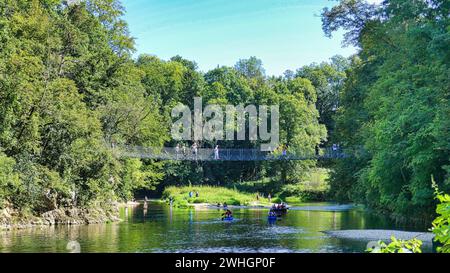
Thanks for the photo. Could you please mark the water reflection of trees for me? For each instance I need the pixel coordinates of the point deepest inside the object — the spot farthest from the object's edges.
(92, 238)
(169, 229)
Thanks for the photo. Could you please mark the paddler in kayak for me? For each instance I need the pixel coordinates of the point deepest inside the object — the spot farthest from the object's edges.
(227, 214)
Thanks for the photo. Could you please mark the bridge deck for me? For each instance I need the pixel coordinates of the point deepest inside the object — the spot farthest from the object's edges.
(205, 154)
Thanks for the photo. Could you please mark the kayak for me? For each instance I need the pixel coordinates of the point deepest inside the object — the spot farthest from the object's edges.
(272, 218)
(228, 218)
(280, 210)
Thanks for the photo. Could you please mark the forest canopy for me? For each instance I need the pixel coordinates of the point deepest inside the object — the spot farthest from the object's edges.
(394, 104)
(69, 86)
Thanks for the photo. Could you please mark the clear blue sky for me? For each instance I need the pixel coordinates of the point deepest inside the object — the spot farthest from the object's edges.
(284, 34)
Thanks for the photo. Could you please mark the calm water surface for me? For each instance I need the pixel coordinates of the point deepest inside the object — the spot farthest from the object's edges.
(162, 229)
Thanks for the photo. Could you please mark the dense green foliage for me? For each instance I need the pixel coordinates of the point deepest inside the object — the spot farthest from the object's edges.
(441, 228)
(398, 246)
(67, 85)
(312, 187)
(69, 88)
(246, 84)
(394, 105)
(328, 79)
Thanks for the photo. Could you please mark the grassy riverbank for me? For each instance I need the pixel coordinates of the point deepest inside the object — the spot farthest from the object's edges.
(211, 195)
(312, 187)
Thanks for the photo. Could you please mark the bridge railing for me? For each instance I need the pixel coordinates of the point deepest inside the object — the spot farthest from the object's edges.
(207, 154)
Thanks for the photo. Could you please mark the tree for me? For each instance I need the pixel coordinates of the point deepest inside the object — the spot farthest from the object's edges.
(250, 68)
(328, 79)
(69, 87)
(393, 103)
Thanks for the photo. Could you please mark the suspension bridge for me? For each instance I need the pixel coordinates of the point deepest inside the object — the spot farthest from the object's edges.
(206, 154)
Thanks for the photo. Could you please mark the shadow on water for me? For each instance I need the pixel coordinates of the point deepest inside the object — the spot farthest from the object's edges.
(160, 228)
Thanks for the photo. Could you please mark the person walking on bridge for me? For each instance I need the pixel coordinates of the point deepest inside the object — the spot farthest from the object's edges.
(195, 150)
(184, 151)
(334, 149)
(284, 152)
(177, 151)
(216, 153)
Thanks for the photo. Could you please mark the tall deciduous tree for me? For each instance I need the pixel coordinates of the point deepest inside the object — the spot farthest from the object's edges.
(395, 104)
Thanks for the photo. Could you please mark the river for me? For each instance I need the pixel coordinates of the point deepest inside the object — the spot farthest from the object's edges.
(163, 229)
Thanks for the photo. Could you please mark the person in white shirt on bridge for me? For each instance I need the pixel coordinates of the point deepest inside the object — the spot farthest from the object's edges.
(216, 153)
(195, 149)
